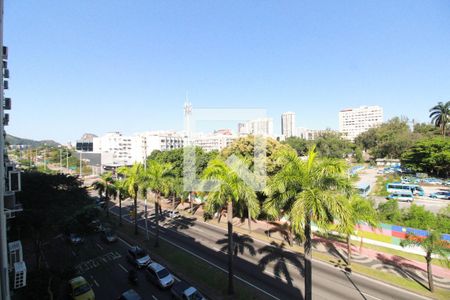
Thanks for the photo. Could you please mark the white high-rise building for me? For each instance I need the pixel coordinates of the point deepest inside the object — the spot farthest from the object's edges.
(354, 121)
(261, 126)
(288, 124)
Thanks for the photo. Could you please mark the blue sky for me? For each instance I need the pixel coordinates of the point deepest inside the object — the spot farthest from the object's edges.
(107, 65)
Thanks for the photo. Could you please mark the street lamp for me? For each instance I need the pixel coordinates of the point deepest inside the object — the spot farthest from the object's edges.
(60, 159)
(81, 162)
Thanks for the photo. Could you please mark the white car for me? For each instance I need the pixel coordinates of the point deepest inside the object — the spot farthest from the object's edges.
(441, 195)
(159, 275)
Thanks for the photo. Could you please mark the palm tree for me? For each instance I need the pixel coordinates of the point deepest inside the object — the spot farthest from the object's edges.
(440, 115)
(105, 185)
(133, 179)
(122, 193)
(432, 244)
(229, 189)
(360, 210)
(311, 191)
(157, 178)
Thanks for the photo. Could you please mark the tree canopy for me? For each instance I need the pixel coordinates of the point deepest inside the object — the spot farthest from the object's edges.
(389, 140)
(430, 156)
(175, 158)
(245, 146)
(328, 144)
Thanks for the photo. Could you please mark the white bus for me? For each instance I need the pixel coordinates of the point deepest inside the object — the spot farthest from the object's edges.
(397, 187)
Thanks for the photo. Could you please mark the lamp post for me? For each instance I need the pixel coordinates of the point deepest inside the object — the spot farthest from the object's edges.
(60, 160)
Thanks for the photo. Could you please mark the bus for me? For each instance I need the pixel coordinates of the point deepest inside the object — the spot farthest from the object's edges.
(396, 187)
(363, 189)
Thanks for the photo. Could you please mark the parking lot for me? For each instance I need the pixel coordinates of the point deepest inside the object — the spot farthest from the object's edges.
(369, 176)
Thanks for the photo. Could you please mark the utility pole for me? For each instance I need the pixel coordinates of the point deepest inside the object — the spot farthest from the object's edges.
(60, 160)
(4, 276)
(81, 162)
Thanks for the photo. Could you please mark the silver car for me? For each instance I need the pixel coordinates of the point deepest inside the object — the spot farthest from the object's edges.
(159, 275)
(138, 257)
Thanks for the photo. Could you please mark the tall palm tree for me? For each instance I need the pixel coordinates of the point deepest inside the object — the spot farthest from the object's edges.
(133, 179)
(158, 177)
(311, 191)
(440, 115)
(432, 244)
(360, 210)
(122, 193)
(105, 186)
(229, 189)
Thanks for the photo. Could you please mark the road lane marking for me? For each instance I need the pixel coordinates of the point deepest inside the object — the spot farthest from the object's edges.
(73, 253)
(154, 297)
(125, 242)
(95, 281)
(101, 248)
(211, 263)
(123, 268)
(218, 267)
(176, 278)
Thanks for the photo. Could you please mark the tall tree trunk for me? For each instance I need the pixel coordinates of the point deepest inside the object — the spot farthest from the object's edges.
(135, 214)
(107, 206)
(361, 244)
(249, 221)
(349, 251)
(173, 203)
(430, 272)
(157, 221)
(120, 211)
(230, 247)
(190, 202)
(308, 258)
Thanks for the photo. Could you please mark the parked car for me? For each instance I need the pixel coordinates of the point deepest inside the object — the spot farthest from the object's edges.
(100, 203)
(404, 196)
(130, 295)
(138, 257)
(75, 239)
(159, 275)
(108, 236)
(183, 291)
(440, 195)
(80, 289)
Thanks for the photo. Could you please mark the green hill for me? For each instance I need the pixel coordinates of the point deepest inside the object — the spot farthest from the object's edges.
(14, 140)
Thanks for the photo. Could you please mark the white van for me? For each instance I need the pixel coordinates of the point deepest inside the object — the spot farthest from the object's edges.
(402, 196)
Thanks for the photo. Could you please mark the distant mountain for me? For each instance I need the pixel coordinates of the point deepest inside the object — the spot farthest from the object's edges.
(13, 140)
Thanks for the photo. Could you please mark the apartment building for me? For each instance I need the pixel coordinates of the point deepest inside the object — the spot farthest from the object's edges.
(288, 124)
(261, 126)
(354, 121)
(215, 141)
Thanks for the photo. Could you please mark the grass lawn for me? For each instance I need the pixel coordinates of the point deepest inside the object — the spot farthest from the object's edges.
(380, 185)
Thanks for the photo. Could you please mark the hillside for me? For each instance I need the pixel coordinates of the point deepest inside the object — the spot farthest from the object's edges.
(13, 140)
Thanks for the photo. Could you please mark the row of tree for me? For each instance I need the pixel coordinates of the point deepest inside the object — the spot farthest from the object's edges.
(416, 216)
(303, 191)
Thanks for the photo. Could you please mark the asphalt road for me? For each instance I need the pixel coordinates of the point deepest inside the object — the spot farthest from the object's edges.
(105, 266)
(271, 269)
